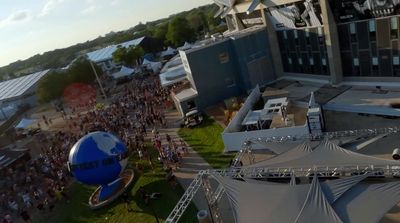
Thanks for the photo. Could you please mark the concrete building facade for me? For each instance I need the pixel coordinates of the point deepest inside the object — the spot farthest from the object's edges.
(331, 40)
(227, 67)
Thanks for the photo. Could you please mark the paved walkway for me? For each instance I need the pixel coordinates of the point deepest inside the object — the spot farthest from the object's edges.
(192, 163)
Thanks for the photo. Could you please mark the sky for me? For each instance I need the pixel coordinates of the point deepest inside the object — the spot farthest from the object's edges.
(29, 27)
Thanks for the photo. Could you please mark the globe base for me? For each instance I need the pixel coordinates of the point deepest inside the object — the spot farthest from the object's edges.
(110, 189)
(106, 194)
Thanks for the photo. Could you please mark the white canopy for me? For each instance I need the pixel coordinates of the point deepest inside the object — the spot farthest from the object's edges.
(172, 76)
(343, 200)
(124, 72)
(24, 123)
(154, 66)
(168, 52)
(328, 154)
(295, 153)
(186, 46)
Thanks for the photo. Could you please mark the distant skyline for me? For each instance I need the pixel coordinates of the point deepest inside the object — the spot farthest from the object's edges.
(28, 28)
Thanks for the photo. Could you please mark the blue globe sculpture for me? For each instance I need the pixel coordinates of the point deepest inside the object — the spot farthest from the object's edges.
(98, 159)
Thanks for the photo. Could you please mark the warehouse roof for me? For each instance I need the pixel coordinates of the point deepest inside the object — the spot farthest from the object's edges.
(106, 53)
(18, 86)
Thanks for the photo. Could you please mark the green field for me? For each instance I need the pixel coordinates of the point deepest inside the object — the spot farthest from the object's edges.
(206, 140)
(77, 210)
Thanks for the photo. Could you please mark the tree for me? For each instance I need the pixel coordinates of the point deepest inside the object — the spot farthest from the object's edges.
(179, 31)
(198, 22)
(128, 56)
(52, 86)
(160, 32)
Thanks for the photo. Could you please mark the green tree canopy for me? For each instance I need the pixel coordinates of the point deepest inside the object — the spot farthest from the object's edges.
(160, 32)
(198, 22)
(179, 31)
(52, 86)
(128, 56)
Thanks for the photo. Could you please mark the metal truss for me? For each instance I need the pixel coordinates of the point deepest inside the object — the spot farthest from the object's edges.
(246, 149)
(185, 200)
(213, 197)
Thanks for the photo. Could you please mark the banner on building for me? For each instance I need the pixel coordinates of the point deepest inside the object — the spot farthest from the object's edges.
(296, 15)
(353, 10)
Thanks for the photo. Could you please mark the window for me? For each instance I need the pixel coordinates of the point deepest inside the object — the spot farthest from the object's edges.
(371, 25)
(295, 34)
(352, 28)
(290, 60)
(372, 30)
(223, 58)
(393, 28)
(311, 61)
(396, 60)
(230, 82)
(307, 31)
(356, 68)
(356, 62)
(374, 61)
(191, 105)
(375, 66)
(396, 67)
(300, 61)
(320, 32)
(284, 34)
(353, 32)
(323, 61)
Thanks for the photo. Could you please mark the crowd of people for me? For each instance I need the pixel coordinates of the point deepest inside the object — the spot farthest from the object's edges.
(133, 113)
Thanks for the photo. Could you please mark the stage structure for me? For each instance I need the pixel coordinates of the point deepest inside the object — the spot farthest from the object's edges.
(371, 167)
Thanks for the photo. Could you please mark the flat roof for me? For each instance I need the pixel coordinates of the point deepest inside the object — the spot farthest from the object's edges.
(186, 94)
(106, 53)
(18, 86)
(172, 76)
(367, 101)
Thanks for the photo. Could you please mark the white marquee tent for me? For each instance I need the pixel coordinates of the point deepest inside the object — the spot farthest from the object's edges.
(186, 46)
(326, 154)
(168, 52)
(343, 200)
(124, 72)
(154, 66)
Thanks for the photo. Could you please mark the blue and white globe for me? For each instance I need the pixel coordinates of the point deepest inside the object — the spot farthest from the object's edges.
(98, 158)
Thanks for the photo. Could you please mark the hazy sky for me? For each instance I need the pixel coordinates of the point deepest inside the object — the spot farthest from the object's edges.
(28, 27)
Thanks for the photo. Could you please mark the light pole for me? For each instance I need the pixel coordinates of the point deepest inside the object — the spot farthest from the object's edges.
(98, 80)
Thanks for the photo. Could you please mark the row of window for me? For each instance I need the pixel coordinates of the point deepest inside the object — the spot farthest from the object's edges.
(375, 62)
(306, 31)
(311, 60)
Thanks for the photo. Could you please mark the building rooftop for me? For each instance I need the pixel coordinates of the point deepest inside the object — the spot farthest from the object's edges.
(186, 94)
(106, 53)
(18, 86)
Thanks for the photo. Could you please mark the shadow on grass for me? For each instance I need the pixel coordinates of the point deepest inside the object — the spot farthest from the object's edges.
(162, 207)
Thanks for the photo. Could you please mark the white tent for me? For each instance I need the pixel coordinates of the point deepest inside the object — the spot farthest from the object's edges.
(172, 76)
(168, 52)
(186, 46)
(124, 72)
(154, 66)
(24, 123)
(327, 154)
(343, 200)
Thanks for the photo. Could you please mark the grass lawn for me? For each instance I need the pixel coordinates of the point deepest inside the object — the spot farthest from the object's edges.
(77, 210)
(206, 140)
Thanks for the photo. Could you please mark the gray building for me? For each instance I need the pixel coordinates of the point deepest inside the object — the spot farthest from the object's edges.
(225, 68)
(19, 92)
(333, 40)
